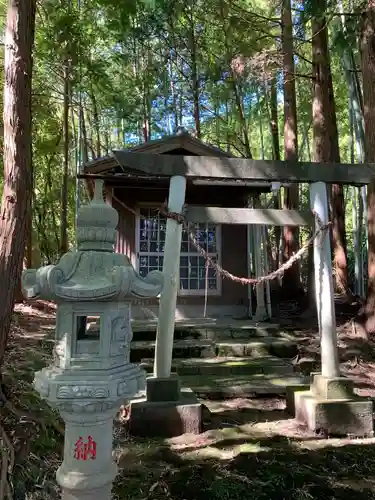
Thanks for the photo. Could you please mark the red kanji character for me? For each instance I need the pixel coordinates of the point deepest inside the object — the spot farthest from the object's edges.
(79, 450)
(85, 451)
(91, 448)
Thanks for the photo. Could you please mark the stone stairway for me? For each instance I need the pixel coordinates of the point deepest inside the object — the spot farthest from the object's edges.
(225, 366)
(202, 348)
(225, 360)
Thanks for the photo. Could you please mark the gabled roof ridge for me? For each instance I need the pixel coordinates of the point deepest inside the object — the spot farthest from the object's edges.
(182, 138)
(208, 145)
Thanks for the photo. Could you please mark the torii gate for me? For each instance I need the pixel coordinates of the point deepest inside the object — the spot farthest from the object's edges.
(328, 386)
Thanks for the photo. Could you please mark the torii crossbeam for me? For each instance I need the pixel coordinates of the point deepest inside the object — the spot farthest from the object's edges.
(245, 169)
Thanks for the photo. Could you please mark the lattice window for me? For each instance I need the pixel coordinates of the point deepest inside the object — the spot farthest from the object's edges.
(151, 230)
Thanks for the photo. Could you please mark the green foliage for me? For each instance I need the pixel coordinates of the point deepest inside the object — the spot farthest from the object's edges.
(138, 63)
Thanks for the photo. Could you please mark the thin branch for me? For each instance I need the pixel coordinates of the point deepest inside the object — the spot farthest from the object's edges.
(258, 16)
(303, 57)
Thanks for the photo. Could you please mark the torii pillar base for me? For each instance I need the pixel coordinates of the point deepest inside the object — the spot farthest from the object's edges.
(332, 407)
(166, 411)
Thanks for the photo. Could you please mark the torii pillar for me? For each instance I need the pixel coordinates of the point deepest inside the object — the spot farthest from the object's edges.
(167, 411)
(329, 404)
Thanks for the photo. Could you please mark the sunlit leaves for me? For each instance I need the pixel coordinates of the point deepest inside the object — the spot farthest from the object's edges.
(135, 60)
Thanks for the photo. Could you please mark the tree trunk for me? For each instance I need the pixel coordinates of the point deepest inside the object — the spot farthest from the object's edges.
(85, 149)
(195, 78)
(261, 134)
(28, 255)
(64, 189)
(174, 94)
(28, 258)
(291, 279)
(274, 125)
(16, 199)
(325, 137)
(227, 132)
(367, 316)
(146, 122)
(107, 142)
(96, 123)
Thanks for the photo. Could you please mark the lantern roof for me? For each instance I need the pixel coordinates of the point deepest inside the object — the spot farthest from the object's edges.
(93, 272)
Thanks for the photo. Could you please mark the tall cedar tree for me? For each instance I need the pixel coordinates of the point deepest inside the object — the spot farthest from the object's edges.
(16, 200)
(291, 279)
(325, 135)
(274, 125)
(367, 316)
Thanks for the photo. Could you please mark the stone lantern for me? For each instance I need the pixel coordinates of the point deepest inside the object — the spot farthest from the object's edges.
(90, 376)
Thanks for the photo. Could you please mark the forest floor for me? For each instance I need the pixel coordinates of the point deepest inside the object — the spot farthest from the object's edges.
(251, 448)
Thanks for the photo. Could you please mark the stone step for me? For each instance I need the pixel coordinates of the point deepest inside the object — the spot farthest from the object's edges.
(225, 366)
(191, 348)
(280, 347)
(207, 324)
(214, 331)
(200, 348)
(214, 387)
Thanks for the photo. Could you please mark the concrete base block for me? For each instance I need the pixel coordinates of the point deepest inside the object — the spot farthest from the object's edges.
(290, 396)
(166, 418)
(103, 493)
(163, 389)
(332, 387)
(336, 417)
(313, 375)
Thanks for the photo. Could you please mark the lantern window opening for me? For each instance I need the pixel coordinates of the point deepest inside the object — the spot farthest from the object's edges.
(87, 327)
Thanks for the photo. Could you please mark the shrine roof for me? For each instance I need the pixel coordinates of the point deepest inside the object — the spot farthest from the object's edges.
(182, 143)
(202, 163)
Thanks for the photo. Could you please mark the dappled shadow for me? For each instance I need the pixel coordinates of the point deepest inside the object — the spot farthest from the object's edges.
(264, 468)
(31, 324)
(234, 412)
(262, 453)
(244, 416)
